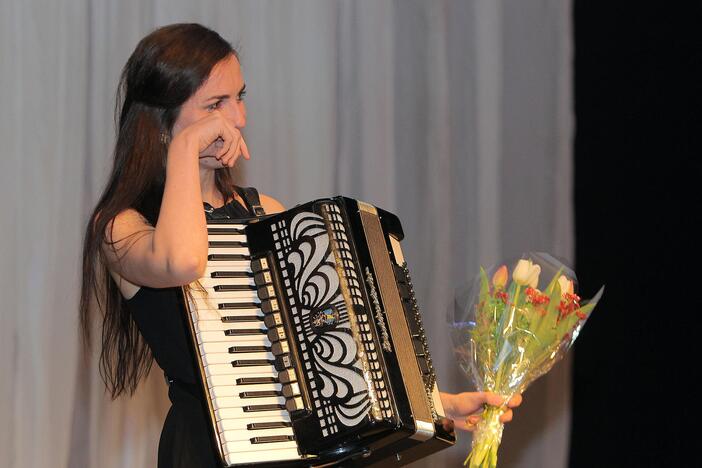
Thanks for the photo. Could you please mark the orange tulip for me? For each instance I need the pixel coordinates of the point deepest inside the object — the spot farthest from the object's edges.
(499, 279)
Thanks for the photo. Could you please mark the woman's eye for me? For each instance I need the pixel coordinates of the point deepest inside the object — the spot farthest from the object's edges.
(241, 95)
(214, 106)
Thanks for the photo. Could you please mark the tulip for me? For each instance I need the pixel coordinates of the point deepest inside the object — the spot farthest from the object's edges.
(534, 276)
(499, 279)
(565, 284)
(526, 273)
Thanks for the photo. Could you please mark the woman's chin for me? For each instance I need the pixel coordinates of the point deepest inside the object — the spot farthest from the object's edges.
(210, 162)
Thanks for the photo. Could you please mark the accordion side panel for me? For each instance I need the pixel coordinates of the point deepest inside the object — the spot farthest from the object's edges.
(397, 323)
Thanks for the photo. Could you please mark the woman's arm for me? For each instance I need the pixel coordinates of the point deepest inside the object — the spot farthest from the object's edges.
(174, 252)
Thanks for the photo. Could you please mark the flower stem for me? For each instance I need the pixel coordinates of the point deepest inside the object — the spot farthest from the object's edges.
(486, 439)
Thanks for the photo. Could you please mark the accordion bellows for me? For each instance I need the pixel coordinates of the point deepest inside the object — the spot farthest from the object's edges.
(309, 341)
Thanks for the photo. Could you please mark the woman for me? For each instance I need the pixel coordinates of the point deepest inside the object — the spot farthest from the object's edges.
(179, 133)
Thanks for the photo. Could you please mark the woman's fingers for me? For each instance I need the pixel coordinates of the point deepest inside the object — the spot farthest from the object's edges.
(506, 416)
(496, 400)
(236, 149)
(244, 149)
(515, 401)
(464, 425)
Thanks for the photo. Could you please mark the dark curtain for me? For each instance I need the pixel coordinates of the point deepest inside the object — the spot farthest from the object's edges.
(638, 144)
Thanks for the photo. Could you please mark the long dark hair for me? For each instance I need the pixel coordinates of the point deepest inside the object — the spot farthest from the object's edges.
(165, 69)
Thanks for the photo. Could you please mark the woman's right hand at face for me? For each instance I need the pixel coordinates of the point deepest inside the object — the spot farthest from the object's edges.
(214, 136)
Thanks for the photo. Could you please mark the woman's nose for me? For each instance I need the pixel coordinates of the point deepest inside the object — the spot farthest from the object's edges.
(237, 113)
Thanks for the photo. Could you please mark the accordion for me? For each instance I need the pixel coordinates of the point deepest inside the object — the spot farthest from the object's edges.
(309, 342)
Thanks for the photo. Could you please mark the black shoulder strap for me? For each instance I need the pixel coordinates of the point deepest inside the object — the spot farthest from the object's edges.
(251, 199)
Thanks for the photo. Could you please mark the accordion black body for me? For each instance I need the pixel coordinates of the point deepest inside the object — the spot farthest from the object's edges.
(310, 343)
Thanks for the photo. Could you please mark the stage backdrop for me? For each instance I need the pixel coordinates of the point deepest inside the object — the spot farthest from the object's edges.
(456, 115)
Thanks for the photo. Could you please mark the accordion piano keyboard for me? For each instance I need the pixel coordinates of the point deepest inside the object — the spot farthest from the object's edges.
(235, 353)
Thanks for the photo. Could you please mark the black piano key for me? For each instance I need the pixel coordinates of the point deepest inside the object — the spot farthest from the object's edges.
(273, 320)
(233, 244)
(269, 306)
(234, 287)
(256, 380)
(276, 334)
(239, 305)
(268, 425)
(271, 439)
(293, 404)
(282, 362)
(231, 274)
(260, 394)
(251, 362)
(266, 292)
(259, 264)
(248, 349)
(242, 318)
(257, 408)
(287, 376)
(263, 278)
(279, 347)
(224, 230)
(227, 257)
(245, 332)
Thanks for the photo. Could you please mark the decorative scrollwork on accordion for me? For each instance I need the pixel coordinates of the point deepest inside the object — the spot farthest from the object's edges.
(321, 319)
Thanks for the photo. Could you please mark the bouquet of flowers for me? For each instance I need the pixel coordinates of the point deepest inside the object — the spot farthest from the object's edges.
(507, 332)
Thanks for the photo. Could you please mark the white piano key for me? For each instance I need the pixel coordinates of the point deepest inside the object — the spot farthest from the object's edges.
(227, 250)
(228, 369)
(220, 326)
(221, 381)
(228, 265)
(240, 445)
(247, 434)
(239, 413)
(209, 282)
(227, 296)
(253, 320)
(227, 358)
(219, 336)
(213, 304)
(223, 346)
(240, 422)
(222, 391)
(236, 402)
(211, 267)
(268, 454)
(227, 237)
(204, 317)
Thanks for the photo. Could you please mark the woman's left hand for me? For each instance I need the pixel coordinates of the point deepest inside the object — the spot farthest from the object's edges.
(465, 408)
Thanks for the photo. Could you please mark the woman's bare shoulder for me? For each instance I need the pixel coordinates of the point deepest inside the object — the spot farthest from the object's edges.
(270, 204)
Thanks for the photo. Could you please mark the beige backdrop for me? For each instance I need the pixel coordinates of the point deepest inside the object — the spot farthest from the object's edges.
(456, 115)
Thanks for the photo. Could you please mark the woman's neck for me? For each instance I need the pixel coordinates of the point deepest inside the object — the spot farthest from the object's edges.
(208, 188)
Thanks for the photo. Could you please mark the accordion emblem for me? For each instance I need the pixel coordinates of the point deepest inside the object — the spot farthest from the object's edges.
(335, 341)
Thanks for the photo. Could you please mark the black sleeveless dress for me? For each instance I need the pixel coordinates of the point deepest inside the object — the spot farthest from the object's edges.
(185, 439)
